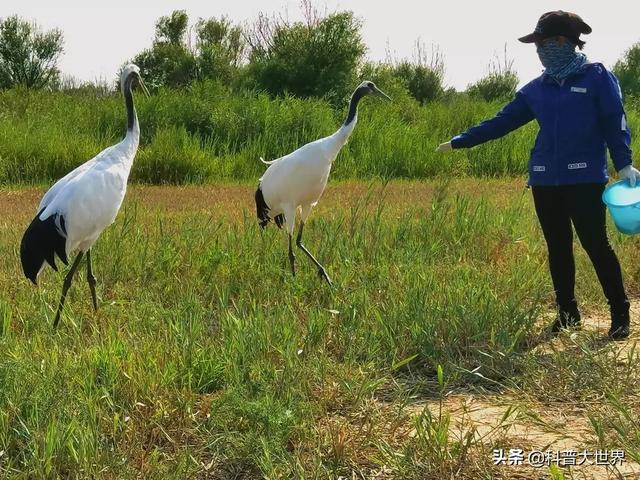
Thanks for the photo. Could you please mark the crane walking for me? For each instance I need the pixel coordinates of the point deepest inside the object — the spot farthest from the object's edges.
(78, 207)
(295, 182)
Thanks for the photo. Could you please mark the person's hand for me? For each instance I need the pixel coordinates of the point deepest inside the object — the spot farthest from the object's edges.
(446, 146)
(631, 173)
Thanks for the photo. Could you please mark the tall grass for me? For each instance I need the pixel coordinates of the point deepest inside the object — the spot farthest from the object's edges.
(207, 132)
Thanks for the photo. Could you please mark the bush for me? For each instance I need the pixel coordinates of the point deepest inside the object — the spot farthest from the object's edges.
(423, 83)
(317, 58)
(172, 62)
(167, 65)
(424, 76)
(627, 69)
(499, 84)
(220, 47)
(28, 57)
(383, 75)
(495, 86)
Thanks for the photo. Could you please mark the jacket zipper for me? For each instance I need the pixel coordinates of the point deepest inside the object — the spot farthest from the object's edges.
(555, 143)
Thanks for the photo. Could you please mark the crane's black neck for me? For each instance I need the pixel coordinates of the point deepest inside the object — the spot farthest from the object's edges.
(128, 100)
(353, 104)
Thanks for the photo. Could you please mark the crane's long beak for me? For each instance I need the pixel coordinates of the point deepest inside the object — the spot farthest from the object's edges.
(380, 93)
(143, 87)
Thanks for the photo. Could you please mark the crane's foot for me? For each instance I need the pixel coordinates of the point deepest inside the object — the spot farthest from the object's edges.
(292, 263)
(322, 273)
(92, 287)
(56, 321)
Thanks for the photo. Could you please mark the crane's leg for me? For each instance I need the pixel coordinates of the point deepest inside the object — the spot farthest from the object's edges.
(321, 270)
(91, 280)
(65, 287)
(292, 257)
(290, 223)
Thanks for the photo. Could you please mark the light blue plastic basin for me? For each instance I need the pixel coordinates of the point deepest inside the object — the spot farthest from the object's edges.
(623, 202)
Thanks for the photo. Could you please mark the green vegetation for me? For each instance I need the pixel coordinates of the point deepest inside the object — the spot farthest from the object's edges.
(171, 61)
(226, 95)
(627, 69)
(421, 77)
(207, 132)
(28, 57)
(318, 58)
(500, 84)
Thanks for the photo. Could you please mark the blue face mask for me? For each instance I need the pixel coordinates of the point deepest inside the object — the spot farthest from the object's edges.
(560, 59)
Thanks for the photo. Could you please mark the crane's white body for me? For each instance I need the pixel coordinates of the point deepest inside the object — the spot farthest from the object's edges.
(78, 207)
(294, 183)
(297, 180)
(89, 197)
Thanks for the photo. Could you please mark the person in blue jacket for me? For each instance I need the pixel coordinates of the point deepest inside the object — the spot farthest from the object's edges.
(578, 107)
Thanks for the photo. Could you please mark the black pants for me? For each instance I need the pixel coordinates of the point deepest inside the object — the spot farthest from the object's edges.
(559, 207)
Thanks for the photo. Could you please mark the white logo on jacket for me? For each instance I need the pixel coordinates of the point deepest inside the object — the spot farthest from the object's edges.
(576, 166)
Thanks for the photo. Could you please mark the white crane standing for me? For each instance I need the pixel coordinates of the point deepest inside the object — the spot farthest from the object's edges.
(296, 181)
(75, 211)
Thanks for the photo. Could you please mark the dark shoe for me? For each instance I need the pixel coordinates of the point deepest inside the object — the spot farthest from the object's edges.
(566, 319)
(620, 321)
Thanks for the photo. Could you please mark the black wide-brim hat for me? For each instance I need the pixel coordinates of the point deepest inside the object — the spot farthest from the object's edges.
(557, 23)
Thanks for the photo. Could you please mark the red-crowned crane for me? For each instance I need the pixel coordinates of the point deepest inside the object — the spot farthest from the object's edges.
(74, 212)
(296, 181)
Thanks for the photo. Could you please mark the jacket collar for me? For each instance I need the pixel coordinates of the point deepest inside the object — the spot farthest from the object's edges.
(578, 73)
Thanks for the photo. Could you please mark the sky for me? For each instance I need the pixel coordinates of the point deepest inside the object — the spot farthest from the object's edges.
(101, 36)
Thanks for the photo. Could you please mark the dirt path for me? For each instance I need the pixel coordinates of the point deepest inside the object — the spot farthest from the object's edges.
(229, 200)
(509, 420)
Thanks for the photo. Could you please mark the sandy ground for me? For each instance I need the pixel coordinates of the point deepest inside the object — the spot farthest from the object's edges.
(230, 201)
(532, 426)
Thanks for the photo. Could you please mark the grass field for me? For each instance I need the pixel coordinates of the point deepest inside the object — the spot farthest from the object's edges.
(208, 360)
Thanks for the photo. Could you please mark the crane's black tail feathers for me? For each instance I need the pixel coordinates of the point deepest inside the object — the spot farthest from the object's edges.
(42, 240)
(262, 210)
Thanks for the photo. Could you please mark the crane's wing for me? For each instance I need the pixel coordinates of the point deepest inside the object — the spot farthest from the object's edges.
(60, 184)
(44, 239)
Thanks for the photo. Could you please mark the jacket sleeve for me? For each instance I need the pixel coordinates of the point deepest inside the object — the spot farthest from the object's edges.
(514, 115)
(614, 120)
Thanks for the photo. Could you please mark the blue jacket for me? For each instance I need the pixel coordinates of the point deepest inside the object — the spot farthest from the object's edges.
(578, 120)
